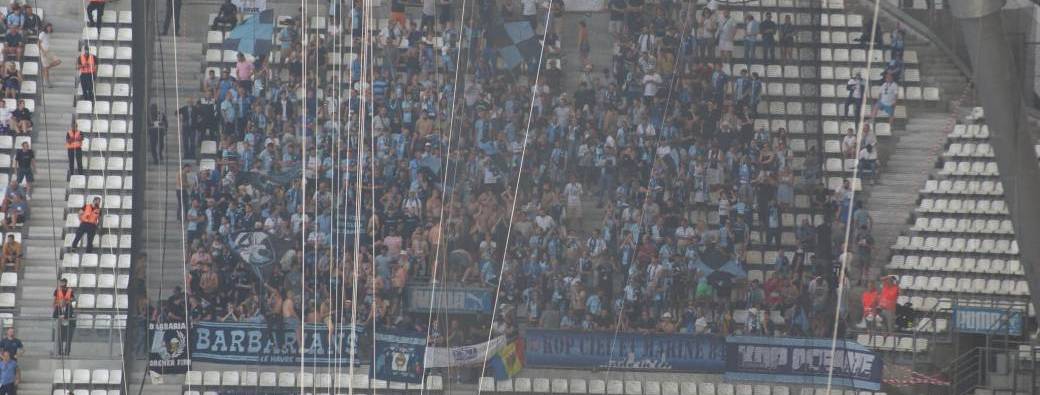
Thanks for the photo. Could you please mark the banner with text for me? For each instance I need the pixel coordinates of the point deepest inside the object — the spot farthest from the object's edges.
(443, 357)
(168, 351)
(250, 343)
(452, 300)
(399, 357)
(987, 321)
(563, 348)
(801, 361)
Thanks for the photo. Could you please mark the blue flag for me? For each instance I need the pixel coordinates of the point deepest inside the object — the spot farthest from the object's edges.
(399, 357)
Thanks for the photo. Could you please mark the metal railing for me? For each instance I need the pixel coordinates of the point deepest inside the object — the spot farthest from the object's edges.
(88, 336)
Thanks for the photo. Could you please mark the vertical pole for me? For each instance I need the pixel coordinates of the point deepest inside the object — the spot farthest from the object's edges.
(143, 25)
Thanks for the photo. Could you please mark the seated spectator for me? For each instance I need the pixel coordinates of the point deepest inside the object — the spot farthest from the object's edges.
(21, 118)
(32, 22)
(16, 212)
(12, 81)
(12, 254)
(14, 44)
(14, 18)
(227, 17)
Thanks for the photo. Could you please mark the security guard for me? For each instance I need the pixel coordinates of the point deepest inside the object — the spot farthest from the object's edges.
(89, 216)
(87, 64)
(74, 145)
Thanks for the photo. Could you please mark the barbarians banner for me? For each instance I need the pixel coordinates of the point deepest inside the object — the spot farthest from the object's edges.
(169, 351)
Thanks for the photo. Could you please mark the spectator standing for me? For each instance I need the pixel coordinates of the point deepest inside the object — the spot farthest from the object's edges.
(189, 118)
(244, 72)
(617, 16)
(11, 344)
(855, 87)
(870, 303)
(752, 31)
(89, 216)
(767, 30)
(173, 11)
(74, 147)
(10, 374)
(96, 6)
(156, 133)
(87, 64)
(887, 301)
(787, 43)
(727, 33)
(583, 43)
(529, 9)
(25, 161)
(49, 60)
(429, 16)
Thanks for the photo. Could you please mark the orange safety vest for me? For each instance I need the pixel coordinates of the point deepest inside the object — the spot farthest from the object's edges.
(60, 296)
(89, 214)
(74, 139)
(87, 64)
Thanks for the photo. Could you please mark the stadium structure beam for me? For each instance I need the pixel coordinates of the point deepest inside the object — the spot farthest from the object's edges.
(998, 86)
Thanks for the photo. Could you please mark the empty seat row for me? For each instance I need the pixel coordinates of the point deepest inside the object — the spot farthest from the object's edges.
(87, 376)
(972, 131)
(212, 378)
(963, 206)
(101, 108)
(956, 264)
(963, 225)
(840, 127)
(121, 35)
(963, 187)
(82, 391)
(103, 126)
(969, 169)
(73, 260)
(970, 150)
(990, 286)
(97, 182)
(101, 301)
(76, 201)
(103, 281)
(956, 245)
(931, 303)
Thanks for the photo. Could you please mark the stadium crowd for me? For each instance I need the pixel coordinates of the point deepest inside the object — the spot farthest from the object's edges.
(639, 189)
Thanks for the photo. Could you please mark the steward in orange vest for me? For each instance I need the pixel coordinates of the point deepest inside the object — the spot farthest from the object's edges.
(87, 64)
(74, 145)
(89, 216)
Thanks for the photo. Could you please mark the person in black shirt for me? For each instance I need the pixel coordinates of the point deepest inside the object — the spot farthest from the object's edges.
(227, 18)
(188, 116)
(767, 29)
(156, 133)
(13, 41)
(11, 344)
(25, 159)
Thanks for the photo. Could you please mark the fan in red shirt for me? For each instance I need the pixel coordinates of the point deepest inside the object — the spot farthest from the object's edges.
(887, 302)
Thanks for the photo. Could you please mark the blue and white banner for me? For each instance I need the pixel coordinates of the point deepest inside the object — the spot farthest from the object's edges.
(802, 361)
(452, 300)
(987, 321)
(443, 357)
(399, 357)
(563, 348)
(251, 344)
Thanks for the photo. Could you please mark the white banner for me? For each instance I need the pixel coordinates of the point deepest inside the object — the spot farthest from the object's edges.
(250, 6)
(442, 357)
